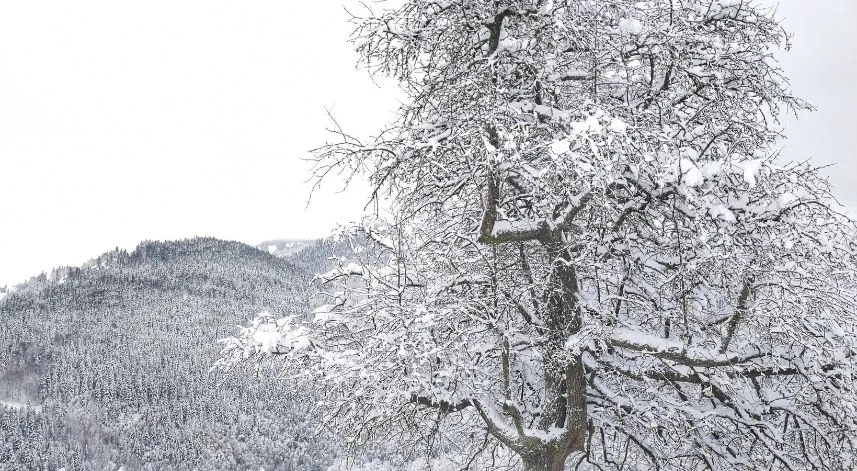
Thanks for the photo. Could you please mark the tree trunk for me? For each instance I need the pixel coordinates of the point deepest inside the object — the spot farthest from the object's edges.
(545, 462)
(565, 383)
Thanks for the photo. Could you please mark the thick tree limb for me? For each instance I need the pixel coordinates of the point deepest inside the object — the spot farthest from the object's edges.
(734, 372)
(673, 351)
(740, 312)
(498, 430)
(442, 406)
(488, 234)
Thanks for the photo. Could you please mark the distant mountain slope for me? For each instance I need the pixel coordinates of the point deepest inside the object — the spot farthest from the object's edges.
(116, 356)
(284, 248)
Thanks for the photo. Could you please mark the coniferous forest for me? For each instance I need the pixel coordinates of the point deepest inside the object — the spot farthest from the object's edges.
(106, 366)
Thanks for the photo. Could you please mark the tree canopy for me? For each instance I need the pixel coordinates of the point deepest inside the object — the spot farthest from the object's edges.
(594, 258)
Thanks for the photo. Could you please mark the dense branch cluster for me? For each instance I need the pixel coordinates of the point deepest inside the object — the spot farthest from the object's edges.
(594, 252)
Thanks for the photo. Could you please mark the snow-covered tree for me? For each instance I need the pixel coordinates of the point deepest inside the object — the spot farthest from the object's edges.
(594, 258)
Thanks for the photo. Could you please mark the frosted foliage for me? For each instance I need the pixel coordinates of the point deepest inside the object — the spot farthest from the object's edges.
(594, 259)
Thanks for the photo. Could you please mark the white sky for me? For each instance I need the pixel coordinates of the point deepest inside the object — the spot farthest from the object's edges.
(122, 121)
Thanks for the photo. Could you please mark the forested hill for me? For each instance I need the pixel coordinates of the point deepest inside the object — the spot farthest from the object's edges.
(107, 365)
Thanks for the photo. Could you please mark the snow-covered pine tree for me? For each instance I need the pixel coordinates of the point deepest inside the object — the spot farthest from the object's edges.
(594, 259)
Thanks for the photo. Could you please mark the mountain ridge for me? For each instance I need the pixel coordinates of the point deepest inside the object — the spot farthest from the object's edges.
(281, 248)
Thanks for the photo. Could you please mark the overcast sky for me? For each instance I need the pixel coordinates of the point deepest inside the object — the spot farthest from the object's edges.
(123, 121)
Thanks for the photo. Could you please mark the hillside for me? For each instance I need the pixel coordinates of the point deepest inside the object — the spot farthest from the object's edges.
(284, 248)
(107, 365)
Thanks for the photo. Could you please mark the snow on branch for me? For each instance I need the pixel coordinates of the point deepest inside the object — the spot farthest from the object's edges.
(674, 350)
